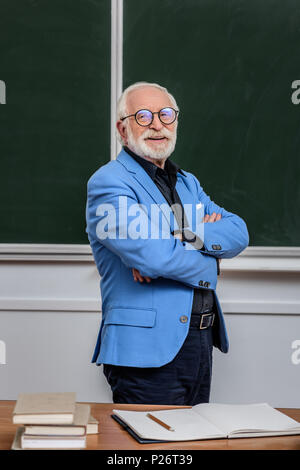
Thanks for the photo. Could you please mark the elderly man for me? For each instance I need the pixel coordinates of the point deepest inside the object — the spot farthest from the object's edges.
(160, 313)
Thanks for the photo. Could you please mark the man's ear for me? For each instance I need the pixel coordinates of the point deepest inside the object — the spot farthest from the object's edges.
(122, 131)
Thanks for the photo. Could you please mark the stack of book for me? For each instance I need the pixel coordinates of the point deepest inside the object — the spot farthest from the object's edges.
(52, 421)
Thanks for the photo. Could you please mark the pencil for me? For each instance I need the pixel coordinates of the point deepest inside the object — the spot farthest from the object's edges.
(158, 421)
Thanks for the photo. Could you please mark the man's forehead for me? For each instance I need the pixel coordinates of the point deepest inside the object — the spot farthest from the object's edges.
(147, 97)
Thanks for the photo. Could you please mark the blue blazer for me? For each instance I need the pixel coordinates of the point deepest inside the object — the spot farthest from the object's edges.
(142, 322)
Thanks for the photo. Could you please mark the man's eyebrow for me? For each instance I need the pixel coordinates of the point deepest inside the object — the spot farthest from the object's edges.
(148, 108)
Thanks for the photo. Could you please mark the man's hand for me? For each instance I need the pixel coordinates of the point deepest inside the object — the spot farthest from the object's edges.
(206, 219)
(138, 277)
(211, 218)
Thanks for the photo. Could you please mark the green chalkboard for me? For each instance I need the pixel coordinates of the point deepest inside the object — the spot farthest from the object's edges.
(55, 125)
(230, 64)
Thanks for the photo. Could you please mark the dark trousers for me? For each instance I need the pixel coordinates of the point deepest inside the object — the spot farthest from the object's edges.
(185, 380)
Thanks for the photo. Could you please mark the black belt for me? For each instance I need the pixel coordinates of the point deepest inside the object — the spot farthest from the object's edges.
(202, 320)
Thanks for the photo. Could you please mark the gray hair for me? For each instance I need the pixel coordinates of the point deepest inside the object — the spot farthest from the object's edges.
(122, 101)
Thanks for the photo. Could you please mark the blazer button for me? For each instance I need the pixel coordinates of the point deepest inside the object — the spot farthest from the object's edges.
(183, 318)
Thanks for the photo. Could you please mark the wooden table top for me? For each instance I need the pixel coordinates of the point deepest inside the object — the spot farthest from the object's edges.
(112, 437)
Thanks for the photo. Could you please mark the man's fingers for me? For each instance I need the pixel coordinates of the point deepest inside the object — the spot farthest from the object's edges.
(212, 218)
(138, 277)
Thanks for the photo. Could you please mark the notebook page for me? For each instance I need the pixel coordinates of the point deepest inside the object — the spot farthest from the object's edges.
(255, 417)
(187, 424)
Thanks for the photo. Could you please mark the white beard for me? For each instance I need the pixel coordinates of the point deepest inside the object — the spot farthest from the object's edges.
(140, 147)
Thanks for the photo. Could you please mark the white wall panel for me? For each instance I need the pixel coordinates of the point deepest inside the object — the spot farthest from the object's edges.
(50, 312)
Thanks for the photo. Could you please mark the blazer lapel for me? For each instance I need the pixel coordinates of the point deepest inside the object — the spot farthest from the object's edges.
(144, 180)
(148, 184)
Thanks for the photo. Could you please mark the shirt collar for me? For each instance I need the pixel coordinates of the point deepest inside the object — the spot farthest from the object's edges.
(170, 167)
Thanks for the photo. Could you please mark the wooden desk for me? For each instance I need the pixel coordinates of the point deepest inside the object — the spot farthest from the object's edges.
(113, 437)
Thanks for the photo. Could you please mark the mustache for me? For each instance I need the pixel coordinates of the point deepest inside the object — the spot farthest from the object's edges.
(162, 133)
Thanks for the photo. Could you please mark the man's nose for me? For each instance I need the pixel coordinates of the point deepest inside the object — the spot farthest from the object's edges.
(156, 123)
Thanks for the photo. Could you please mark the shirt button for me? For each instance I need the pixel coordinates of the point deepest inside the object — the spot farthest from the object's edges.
(183, 318)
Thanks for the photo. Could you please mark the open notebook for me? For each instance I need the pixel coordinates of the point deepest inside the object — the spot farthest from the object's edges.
(210, 421)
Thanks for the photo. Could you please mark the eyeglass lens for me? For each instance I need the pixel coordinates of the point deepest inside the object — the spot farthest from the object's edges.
(167, 115)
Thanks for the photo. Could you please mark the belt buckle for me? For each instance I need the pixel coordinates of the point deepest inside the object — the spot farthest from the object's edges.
(206, 315)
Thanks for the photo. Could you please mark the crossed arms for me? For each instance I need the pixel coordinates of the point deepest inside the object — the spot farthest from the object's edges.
(206, 219)
(168, 258)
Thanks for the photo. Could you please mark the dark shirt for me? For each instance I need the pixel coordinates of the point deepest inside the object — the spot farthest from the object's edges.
(165, 179)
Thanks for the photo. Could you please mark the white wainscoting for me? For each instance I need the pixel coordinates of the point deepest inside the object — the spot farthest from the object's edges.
(50, 312)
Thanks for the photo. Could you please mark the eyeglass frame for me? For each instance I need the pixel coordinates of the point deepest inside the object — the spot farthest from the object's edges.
(156, 112)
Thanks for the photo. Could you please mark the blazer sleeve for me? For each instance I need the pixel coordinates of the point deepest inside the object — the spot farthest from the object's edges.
(161, 257)
(228, 236)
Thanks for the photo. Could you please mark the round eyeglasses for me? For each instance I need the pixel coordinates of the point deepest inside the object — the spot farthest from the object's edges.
(144, 117)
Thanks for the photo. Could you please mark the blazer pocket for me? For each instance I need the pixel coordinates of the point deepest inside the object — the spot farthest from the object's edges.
(130, 316)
